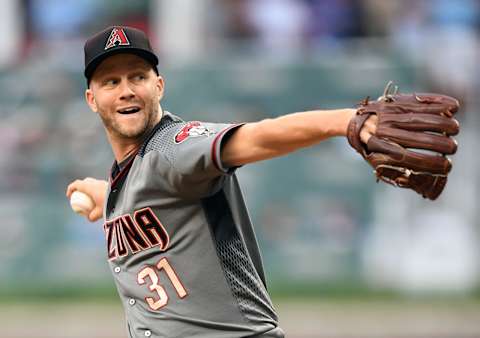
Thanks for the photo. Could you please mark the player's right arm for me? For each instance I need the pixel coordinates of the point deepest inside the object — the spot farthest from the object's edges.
(96, 189)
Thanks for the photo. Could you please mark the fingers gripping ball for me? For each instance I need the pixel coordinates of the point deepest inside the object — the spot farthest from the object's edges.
(412, 139)
(81, 203)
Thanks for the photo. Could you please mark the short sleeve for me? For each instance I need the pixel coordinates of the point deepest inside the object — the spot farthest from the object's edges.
(198, 146)
(193, 150)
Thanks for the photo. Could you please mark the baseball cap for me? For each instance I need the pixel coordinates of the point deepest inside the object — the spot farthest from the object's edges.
(114, 40)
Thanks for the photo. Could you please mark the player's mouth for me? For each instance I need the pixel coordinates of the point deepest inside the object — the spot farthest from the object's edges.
(128, 110)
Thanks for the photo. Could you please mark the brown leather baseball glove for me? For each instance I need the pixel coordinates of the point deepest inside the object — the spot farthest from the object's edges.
(412, 139)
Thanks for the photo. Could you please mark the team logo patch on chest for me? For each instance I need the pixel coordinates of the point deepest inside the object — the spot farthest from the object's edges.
(192, 129)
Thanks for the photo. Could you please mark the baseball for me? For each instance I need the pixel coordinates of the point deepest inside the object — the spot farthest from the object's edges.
(81, 203)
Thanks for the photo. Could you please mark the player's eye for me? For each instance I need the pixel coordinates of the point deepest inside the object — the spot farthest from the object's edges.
(139, 77)
(110, 82)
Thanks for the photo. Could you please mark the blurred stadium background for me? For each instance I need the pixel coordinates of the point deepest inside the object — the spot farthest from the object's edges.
(345, 257)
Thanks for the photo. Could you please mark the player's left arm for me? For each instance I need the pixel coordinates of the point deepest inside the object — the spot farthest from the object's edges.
(270, 138)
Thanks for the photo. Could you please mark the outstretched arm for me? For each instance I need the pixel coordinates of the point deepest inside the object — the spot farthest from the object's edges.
(270, 138)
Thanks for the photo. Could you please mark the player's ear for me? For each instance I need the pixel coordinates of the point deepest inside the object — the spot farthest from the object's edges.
(90, 98)
(160, 86)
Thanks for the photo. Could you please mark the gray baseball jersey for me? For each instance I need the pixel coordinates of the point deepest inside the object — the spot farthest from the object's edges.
(180, 243)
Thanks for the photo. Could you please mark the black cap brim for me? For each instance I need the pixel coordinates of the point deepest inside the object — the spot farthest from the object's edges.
(146, 55)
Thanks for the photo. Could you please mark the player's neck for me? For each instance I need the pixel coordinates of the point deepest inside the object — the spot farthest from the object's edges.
(122, 151)
(122, 147)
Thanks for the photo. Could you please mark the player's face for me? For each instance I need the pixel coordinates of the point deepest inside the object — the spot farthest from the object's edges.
(125, 91)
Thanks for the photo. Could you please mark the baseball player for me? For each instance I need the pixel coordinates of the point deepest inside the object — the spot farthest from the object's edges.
(179, 240)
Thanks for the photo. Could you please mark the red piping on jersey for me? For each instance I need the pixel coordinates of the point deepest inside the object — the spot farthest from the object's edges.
(214, 145)
(123, 171)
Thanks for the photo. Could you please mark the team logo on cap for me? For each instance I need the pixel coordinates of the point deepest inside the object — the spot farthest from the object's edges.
(117, 38)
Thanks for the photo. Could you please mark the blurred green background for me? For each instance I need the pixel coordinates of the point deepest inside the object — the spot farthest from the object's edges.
(345, 257)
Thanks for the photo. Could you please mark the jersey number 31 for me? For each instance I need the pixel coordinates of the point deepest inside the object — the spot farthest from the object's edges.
(152, 272)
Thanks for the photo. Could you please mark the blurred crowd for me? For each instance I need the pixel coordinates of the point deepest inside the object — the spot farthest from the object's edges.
(271, 22)
(315, 20)
(283, 30)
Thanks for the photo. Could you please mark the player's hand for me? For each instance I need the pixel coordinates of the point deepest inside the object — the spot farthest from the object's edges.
(96, 189)
(369, 128)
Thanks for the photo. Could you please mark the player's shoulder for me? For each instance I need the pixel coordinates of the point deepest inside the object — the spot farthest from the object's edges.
(162, 136)
(173, 132)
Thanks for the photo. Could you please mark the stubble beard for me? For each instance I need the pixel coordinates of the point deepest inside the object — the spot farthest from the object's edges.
(138, 131)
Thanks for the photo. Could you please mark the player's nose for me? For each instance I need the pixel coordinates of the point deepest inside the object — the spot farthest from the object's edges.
(126, 90)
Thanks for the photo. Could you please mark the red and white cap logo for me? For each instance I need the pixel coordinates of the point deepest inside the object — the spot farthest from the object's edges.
(117, 38)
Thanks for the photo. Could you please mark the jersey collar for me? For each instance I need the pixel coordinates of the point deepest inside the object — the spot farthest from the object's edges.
(119, 170)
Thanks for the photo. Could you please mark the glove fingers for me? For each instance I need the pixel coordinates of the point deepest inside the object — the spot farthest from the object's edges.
(421, 122)
(427, 104)
(413, 139)
(433, 104)
(391, 154)
(451, 103)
